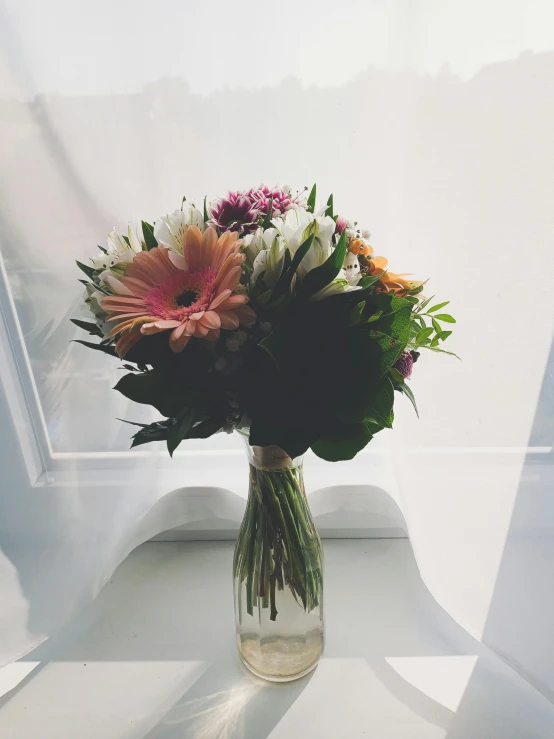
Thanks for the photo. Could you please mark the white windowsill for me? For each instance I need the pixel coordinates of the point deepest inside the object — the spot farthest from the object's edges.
(155, 657)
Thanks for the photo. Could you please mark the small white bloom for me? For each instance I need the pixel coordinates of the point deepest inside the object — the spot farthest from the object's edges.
(351, 268)
(366, 233)
(118, 249)
(116, 286)
(339, 285)
(170, 230)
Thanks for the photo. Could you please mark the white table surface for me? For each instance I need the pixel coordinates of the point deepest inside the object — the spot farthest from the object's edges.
(155, 657)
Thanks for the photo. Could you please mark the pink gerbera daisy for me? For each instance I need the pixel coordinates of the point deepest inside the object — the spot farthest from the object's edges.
(190, 295)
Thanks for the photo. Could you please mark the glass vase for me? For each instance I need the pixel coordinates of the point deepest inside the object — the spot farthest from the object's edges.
(278, 571)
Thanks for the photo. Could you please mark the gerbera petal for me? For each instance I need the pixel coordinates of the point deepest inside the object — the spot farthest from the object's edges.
(179, 331)
(136, 286)
(200, 331)
(212, 335)
(211, 319)
(126, 342)
(231, 280)
(156, 326)
(219, 299)
(232, 302)
(193, 248)
(245, 315)
(209, 240)
(229, 320)
(179, 344)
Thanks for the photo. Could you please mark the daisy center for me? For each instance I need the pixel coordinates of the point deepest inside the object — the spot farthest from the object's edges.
(187, 297)
(182, 294)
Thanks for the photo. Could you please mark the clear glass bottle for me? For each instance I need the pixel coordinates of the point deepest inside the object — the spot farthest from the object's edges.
(278, 571)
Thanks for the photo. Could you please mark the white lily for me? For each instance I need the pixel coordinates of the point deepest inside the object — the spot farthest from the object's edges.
(258, 241)
(118, 249)
(270, 260)
(170, 230)
(339, 285)
(297, 225)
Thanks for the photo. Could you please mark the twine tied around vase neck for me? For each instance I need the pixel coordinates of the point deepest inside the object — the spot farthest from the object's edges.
(271, 458)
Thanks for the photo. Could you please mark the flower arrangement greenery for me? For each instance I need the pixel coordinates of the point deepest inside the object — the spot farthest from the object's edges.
(260, 313)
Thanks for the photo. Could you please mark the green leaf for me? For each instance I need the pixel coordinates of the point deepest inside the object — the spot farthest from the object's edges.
(104, 251)
(435, 342)
(329, 209)
(355, 315)
(268, 215)
(380, 409)
(89, 326)
(89, 271)
(148, 233)
(167, 394)
(311, 199)
(425, 303)
(322, 276)
(206, 217)
(106, 348)
(289, 270)
(368, 280)
(438, 306)
(425, 333)
(445, 317)
(441, 351)
(408, 392)
(442, 335)
(264, 297)
(396, 376)
(345, 441)
(436, 325)
(205, 429)
(152, 432)
(179, 430)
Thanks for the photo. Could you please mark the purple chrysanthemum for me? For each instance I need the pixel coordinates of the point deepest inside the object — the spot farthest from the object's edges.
(236, 212)
(405, 364)
(243, 210)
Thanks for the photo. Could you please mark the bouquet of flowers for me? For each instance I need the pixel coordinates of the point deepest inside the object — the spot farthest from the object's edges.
(262, 313)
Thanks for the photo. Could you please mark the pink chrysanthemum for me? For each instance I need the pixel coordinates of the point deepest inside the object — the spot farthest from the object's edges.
(261, 196)
(340, 225)
(405, 364)
(191, 295)
(242, 211)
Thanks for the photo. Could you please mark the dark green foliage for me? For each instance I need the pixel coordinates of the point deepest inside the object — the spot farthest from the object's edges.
(149, 238)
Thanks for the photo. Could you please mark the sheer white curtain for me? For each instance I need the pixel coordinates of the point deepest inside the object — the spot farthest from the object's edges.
(431, 122)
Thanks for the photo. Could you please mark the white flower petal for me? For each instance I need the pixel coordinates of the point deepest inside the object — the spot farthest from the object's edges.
(117, 287)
